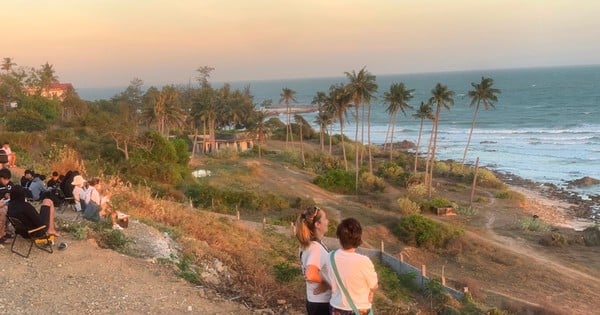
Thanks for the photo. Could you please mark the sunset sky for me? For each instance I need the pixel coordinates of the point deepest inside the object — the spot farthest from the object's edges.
(109, 42)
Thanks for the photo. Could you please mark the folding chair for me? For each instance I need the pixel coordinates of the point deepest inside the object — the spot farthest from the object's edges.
(38, 237)
(67, 203)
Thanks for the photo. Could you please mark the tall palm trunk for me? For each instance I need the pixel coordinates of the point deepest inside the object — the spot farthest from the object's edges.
(369, 139)
(417, 147)
(322, 138)
(362, 135)
(387, 135)
(437, 117)
(302, 147)
(343, 145)
(470, 134)
(393, 125)
(357, 149)
(330, 135)
(428, 156)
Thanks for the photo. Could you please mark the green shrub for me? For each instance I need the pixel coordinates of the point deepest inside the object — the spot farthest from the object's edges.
(336, 180)
(398, 287)
(285, 272)
(509, 194)
(79, 230)
(417, 230)
(322, 162)
(25, 120)
(534, 224)
(390, 171)
(114, 239)
(187, 271)
(436, 294)
(417, 192)
(228, 199)
(488, 179)
(371, 183)
(432, 204)
(466, 211)
(408, 207)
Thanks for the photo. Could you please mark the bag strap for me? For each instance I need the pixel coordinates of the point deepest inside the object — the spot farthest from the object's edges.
(341, 284)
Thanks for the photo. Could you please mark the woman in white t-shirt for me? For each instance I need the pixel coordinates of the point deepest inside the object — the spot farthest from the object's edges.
(311, 226)
(356, 272)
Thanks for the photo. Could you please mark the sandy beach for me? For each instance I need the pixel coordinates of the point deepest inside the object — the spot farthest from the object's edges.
(553, 211)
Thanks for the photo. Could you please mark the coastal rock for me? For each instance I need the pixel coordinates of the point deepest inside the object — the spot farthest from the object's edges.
(583, 182)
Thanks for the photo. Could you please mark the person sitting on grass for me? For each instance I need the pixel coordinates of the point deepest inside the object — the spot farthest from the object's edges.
(98, 206)
(12, 156)
(26, 213)
(37, 187)
(5, 187)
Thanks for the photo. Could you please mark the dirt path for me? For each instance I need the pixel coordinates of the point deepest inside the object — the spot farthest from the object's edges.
(85, 279)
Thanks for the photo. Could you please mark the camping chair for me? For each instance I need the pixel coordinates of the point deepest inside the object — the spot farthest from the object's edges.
(67, 203)
(37, 237)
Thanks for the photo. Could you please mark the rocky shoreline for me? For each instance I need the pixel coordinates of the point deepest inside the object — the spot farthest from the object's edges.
(580, 208)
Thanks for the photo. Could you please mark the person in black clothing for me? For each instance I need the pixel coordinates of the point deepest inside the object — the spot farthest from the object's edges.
(5, 186)
(26, 213)
(54, 181)
(66, 186)
(27, 178)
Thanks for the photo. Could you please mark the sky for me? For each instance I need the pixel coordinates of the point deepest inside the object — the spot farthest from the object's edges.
(107, 43)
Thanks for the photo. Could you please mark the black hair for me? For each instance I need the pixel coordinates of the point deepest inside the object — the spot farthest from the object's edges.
(18, 193)
(5, 173)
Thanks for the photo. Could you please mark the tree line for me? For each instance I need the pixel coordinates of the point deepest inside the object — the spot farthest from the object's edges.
(201, 109)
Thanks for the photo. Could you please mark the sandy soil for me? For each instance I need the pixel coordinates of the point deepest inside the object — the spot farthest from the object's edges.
(85, 279)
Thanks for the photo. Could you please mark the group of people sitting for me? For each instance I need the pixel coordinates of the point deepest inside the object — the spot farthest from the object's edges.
(89, 198)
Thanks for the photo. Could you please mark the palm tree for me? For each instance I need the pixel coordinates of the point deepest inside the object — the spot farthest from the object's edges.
(340, 103)
(397, 98)
(482, 93)
(301, 122)
(287, 95)
(260, 128)
(361, 87)
(7, 64)
(165, 110)
(442, 97)
(424, 112)
(47, 76)
(323, 118)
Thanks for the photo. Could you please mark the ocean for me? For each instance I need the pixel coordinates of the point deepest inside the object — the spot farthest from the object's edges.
(545, 127)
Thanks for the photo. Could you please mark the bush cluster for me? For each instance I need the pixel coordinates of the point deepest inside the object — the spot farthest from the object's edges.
(371, 183)
(432, 204)
(417, 230)
(227, 199)
(534, 224)
(336, 180)
(408, 207)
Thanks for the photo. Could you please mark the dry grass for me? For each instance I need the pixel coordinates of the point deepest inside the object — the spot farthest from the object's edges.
(245, 251)
(66, 159)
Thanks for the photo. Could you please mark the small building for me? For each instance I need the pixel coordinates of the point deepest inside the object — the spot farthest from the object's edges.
(55, 90)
